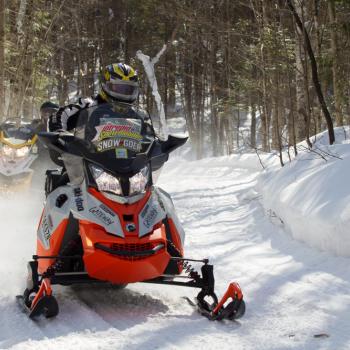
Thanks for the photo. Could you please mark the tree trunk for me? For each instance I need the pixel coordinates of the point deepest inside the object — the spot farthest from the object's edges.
(291, 117)
(265, 118)
(300, 78)
(214, 128)
(315, 78)
(336, 69)
(2, 58)
(171, 80)
(253, 123)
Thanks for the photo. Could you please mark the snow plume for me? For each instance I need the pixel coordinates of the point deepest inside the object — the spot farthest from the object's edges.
(149, 64)
(20, 212)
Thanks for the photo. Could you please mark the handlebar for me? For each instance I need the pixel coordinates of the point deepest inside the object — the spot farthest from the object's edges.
(157, 153)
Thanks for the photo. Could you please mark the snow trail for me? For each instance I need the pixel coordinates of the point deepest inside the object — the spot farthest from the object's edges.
(292, 291)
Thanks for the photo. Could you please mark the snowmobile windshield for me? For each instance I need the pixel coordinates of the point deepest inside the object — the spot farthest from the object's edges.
(115, 137)
(17, 129)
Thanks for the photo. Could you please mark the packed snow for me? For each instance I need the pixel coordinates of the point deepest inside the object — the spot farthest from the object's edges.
(297, 296)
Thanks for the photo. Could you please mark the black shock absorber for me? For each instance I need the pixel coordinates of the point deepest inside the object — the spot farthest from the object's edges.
(63, 261)
(192, 273)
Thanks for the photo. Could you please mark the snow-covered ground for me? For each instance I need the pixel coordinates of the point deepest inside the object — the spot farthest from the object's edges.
(297, 297)
(311, 195)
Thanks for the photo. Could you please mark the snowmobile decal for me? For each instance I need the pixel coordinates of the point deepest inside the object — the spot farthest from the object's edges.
(78, 199)
(150, 215)
(156, 209)
(53, 215)
(98, 212)
(123, 128)
(91, 209)
(83, 206)
(46, 231)
(118, 134)
(167, 204)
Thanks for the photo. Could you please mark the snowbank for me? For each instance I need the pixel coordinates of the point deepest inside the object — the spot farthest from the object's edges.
(311, 195)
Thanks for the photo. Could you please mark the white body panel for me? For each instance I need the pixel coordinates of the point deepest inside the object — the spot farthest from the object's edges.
(10, 167)
(84, 206)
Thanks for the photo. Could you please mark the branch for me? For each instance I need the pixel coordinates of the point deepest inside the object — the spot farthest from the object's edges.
(148, 65)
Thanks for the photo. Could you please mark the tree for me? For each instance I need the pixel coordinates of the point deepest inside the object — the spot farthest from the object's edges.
(314, 71)
(2, 58)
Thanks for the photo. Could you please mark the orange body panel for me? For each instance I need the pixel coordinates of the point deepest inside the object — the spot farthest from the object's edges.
(123, 209)
(55, 245)
(117, 269)
(107, 267)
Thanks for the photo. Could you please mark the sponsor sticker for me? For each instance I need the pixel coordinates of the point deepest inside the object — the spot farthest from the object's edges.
(108, 144)
(148, 221)
(107, 210)
(118, 127)
(78, 200)
(118, 133)
(121, 153)
(100, 214)
(144, 211)
(46, 228)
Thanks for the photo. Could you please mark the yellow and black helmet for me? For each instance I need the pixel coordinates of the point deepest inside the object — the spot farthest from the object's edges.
(119, 83)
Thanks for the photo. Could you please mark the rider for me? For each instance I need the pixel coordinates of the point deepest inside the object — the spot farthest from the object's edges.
(46, 109)
(119, 89)
(38, 125)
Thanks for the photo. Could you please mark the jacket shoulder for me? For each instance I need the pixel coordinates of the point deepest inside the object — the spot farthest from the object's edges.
(140, 113)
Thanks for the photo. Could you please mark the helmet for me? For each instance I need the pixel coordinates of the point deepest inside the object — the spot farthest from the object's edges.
(119, 83)
(46, 109)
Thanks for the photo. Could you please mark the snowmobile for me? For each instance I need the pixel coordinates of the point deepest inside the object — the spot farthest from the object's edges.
(105, 221)
(18, 151)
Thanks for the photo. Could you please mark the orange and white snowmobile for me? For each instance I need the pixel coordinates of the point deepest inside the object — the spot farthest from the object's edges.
(105, 221)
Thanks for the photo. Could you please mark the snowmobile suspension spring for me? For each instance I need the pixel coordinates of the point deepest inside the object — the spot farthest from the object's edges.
(192, 273)
(58, 265)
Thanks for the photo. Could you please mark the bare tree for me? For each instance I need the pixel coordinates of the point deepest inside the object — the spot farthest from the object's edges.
(2, 58)
(314, 71)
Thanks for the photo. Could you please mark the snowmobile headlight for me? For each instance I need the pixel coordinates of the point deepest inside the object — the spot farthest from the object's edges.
(139, 181)
(105, 182)
(22, 152)
(8, 151)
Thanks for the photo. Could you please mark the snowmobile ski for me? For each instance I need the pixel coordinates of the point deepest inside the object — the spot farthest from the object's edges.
(215, 311)
(46, 306)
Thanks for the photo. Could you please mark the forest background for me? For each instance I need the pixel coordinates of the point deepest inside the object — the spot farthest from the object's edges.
(283, 62)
